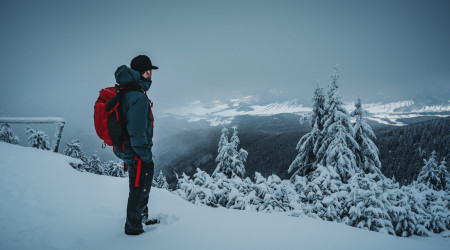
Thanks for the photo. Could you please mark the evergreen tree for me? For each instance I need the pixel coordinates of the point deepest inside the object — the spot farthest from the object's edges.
(230, 160)
(309, 144)
(367, 155)
(75, 150)
(7, 134)
(161, 181)
(94, 165)
(433, 175)
(223, 141)
(443, 175)
(111, 168)
(338, 146)
(240, 155)
(366, 205)
(37, 139)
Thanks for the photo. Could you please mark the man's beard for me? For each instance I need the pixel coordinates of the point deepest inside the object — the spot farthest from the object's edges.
(146, 79)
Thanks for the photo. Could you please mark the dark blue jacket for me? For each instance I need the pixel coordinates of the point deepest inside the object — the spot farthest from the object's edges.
(137, 115)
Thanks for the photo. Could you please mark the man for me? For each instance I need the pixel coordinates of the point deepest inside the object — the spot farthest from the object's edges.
(136, 149)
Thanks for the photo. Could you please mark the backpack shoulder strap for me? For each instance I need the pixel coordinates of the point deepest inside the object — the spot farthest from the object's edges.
(124, 89)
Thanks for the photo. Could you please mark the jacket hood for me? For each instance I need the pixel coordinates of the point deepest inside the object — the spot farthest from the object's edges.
(126, 76)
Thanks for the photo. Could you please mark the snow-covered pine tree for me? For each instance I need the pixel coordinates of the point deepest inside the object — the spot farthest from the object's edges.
(443, 175)
(433, 175)
(239, 156)
(38, 139)
(403, 218)
(7, 134)
(223, 141)
(230, 160)
(94, 165)
(436, 204)
(161, 181)
(196, 192)
(366, 205)
(309, 144)
(320, 194)
(338, 145)
(367, 156)
(75, 150)
(111, 168)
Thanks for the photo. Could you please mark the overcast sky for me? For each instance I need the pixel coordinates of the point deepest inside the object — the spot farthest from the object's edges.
(56, 55)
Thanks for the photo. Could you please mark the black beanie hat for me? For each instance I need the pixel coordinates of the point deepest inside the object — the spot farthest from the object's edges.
(142, 63)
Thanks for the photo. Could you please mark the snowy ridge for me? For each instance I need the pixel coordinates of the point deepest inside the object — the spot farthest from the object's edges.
(390, 113)
(46, 204)
(219, 113)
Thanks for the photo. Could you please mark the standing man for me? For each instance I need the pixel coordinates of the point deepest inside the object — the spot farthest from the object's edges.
(136, 151)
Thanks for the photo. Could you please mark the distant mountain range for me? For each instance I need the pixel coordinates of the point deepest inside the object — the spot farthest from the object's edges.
(223, 112)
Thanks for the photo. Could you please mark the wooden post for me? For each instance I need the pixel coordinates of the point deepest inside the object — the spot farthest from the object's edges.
(58, 134)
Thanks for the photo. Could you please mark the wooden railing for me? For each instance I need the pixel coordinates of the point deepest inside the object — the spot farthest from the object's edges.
(60, 122)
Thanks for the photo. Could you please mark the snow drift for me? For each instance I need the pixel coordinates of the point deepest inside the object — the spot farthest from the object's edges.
(46, 204)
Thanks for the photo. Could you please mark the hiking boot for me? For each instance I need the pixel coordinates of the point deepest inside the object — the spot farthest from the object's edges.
(151, 222)
(134, 232)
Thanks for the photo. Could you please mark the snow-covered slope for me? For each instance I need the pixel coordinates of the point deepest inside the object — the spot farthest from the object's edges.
(217, 112)
(46, 204)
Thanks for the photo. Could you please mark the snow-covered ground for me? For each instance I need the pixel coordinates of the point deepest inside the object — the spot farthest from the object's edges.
(218, 113)
(46, 204)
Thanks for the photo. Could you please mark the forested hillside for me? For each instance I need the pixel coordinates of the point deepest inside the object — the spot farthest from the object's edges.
(271, 140)
(402, 149)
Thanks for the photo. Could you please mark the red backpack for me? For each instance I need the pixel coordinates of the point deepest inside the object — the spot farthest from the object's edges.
(109, 121)
(108, 118)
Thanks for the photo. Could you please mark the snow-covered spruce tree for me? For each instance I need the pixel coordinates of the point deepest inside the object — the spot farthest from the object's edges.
(232, 192)
(94, 165)
(272, 195)
(436, 205)
(367, 155)
(404, 209)
(200, 190)
(320, 193)
(37, 139)
(309, 144)
(230, 160)
(183, 185)
(366, 205)
(112, 168)
(161, 181)
(443, 175)
(433, 175)
(7, 134)
(75, 150)
(338, 145)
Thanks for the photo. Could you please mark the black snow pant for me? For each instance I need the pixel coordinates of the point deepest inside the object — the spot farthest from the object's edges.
(137, 208)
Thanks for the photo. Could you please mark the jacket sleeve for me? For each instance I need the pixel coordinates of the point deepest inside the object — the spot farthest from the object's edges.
(137, 127)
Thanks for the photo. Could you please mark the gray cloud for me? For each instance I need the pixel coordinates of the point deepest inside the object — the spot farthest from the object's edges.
(56, 55)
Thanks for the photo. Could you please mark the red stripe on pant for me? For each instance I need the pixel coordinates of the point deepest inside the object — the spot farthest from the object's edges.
(138, 173)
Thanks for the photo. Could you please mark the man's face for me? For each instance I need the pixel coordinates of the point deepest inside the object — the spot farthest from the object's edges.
(147, 75)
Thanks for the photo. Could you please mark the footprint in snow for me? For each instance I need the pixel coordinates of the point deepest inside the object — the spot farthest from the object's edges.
(165, 218)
